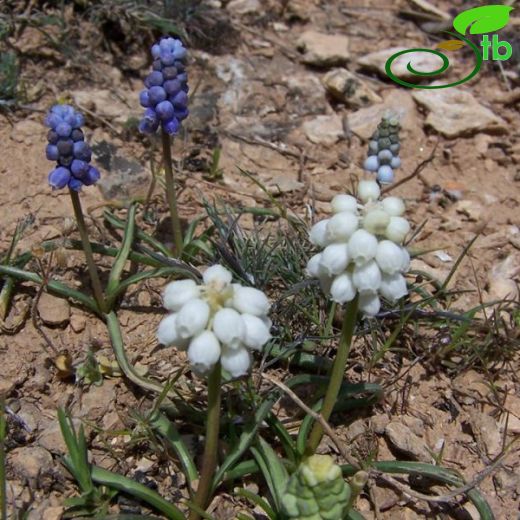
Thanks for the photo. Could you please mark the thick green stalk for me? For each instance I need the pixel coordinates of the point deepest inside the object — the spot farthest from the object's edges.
(209, 461)
(87, 249)
(336, 375)
(171, 194)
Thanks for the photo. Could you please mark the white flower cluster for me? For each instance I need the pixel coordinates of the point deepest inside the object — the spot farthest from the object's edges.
(362, 249)
(217, 320)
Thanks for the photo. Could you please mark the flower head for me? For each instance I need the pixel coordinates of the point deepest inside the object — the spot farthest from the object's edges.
(165, 97)
(217, 320)
(362, 251)
(316, 490)
(383, 150)
(68, 148)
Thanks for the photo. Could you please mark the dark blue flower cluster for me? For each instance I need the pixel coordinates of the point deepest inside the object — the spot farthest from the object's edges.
(67, 146)
(166, 95)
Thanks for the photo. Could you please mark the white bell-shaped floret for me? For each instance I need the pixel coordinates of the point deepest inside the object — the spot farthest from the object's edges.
(229, 327)
(389, 257)
(217, 276)
(167, 331)
(405, 265)
(397, 229)
(250, 300)
(257, 331)
(394, 206)
(362, 246)
(192, 318)
(177, 293)
(313, 266)
(204, 352)
(236, 361)
(318, 233)
(368, 190)
(342, 289)
(393, 287)
(334, 259)
(341, 226)
(343, 202)
(369, 303)
(367, 277)
(376, 221)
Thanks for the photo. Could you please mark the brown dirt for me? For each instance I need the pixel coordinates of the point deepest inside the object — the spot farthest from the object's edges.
(245, 102)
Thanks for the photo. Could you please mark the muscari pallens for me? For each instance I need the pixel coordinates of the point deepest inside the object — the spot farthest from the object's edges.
(216, 320)
(362, 249)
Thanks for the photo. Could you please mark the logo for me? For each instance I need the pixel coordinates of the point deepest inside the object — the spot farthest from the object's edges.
(479, 20)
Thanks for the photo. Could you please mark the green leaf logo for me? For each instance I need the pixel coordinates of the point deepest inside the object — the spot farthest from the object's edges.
(480, 20)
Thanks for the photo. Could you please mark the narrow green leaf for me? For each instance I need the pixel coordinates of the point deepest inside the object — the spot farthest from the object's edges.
(285, 438)
(274, 471)
(258, 501)
(246, 439)
(122, 256)
(437, 473)
(132, 488)
(140, 235)
(53, 287)
(162, 425)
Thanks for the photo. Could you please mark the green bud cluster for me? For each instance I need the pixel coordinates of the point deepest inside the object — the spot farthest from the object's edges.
(316, 491)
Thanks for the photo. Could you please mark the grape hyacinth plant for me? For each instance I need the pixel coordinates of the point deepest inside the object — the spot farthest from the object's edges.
(383, 150)
(363, 259)
(67, 146)
(165, 100)
(218, 324)
(316, 491)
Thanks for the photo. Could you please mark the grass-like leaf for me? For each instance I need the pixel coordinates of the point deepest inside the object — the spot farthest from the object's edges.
(121, 258)
(53, 287)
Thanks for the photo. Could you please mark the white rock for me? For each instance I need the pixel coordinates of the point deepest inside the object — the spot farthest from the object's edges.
(421, 61)
(323, 49)
(347, 87)
(325, 129)
(243, 6)
(455, 112)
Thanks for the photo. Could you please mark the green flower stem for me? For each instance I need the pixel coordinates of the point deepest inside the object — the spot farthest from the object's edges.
(337, 373)
(209, 461)
(171, 194)
(94, 277)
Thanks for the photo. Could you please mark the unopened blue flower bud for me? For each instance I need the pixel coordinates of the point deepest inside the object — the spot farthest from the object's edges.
(172, 126)
(164, 110)
(59, 177)
(51, 152)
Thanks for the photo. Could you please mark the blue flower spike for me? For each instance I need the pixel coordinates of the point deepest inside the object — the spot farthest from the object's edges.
(383, 150)
(68, 148)
(166, 95)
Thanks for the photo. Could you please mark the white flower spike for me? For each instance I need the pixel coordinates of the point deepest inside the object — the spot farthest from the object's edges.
(216, 321)
(361, 248)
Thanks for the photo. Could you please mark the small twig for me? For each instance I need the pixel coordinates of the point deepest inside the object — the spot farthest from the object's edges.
(99, 118)
(416, 173)
(317, 417)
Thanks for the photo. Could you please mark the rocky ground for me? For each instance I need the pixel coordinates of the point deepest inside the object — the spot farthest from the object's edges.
(291, 92)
